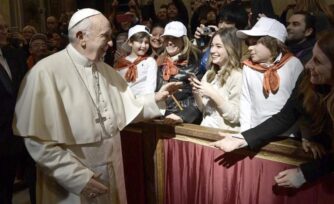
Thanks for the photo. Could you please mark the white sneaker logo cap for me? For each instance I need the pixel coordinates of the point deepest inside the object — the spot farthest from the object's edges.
(175, 29)
(266, 26)
(138, 29)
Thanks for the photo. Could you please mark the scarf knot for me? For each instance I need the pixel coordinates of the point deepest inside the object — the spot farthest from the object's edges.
(271, 79)
(132, 73)
(171, 68)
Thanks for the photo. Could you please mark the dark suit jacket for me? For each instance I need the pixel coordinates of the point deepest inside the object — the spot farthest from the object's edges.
(262, 134)
(8, 92)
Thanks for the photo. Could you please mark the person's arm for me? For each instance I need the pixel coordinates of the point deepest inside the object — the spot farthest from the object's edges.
(60, 164)
(277, 124)
(317, 168)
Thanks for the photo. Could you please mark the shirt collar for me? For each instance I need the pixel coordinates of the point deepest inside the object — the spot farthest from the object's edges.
(78, 57)
(277, 60)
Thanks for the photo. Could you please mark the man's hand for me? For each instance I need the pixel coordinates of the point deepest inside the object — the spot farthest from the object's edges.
(94, 188)
(230, 142)
(317, 149)
(173, 119)
(167, 90)
(290, 178)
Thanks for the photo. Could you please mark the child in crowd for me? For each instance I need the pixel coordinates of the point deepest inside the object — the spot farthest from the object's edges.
(270, 74)
(218, 93)
(179, 59)
(138, 69)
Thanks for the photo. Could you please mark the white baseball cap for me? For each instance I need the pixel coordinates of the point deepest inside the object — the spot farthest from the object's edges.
(138, 29)
(175, 29)
(266, 26)
(81, 15)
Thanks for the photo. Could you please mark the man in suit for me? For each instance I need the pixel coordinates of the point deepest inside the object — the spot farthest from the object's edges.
(12, 69)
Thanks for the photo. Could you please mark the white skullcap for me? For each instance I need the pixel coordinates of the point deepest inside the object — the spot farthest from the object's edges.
(81, 15)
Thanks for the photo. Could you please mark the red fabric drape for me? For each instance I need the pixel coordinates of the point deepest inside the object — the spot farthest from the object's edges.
(195, 174)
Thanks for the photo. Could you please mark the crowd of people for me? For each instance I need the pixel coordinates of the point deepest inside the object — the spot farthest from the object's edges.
(69, 91)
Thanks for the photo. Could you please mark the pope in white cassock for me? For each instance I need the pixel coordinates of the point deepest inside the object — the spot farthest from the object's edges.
(71, 108)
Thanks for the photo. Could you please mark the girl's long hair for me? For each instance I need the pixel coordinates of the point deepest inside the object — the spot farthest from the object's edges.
(232, 45)
(316, 104)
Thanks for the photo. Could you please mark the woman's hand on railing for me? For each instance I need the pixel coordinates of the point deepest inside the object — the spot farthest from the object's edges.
(230, 142)
(317, 149)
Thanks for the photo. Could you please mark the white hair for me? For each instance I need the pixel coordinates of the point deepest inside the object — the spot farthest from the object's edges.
(83, 26)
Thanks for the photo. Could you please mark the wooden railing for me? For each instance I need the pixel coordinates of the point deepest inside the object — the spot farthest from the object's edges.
(147, 140)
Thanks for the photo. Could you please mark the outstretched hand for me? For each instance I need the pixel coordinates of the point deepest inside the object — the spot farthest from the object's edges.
(167, 90)
(230, 142)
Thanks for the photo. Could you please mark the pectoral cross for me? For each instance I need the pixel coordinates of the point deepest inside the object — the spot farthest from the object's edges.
(100, 119)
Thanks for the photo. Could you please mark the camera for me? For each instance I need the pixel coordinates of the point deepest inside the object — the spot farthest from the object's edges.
(207, 31)
(205, 37)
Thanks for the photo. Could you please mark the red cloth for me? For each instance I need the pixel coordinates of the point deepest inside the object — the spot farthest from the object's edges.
(194, 174)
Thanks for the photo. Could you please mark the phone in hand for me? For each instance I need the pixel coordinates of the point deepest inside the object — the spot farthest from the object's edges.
(191, 75)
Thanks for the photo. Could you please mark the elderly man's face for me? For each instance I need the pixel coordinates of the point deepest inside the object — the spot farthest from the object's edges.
(98, 38)
(3, 31)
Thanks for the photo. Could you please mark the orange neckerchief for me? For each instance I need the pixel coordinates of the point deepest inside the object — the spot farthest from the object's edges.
(30, 62)
(271, 79)
(170, 67)
(132, 74)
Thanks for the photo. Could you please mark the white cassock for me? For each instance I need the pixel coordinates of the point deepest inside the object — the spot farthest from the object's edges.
(57, 113)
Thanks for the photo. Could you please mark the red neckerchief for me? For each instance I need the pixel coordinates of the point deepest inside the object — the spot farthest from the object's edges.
(170, 67)
(271, 78)
(132, 74)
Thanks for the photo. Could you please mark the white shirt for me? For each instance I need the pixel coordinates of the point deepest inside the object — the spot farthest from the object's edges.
(255, 107)
(146, 81)
(5, 65)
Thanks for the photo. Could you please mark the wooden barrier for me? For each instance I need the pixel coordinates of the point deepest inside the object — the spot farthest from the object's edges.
(147, 174)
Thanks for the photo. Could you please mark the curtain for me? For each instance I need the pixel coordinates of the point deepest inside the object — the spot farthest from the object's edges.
(198, 174)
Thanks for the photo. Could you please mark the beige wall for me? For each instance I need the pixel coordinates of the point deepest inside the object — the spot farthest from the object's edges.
(4, 9)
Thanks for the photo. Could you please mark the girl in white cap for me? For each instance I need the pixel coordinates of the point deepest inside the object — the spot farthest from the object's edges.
(218, 94)
(179, 59)
(138, 69)
(269, 75)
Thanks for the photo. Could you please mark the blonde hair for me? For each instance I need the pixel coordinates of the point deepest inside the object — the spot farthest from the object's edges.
(232, 44)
